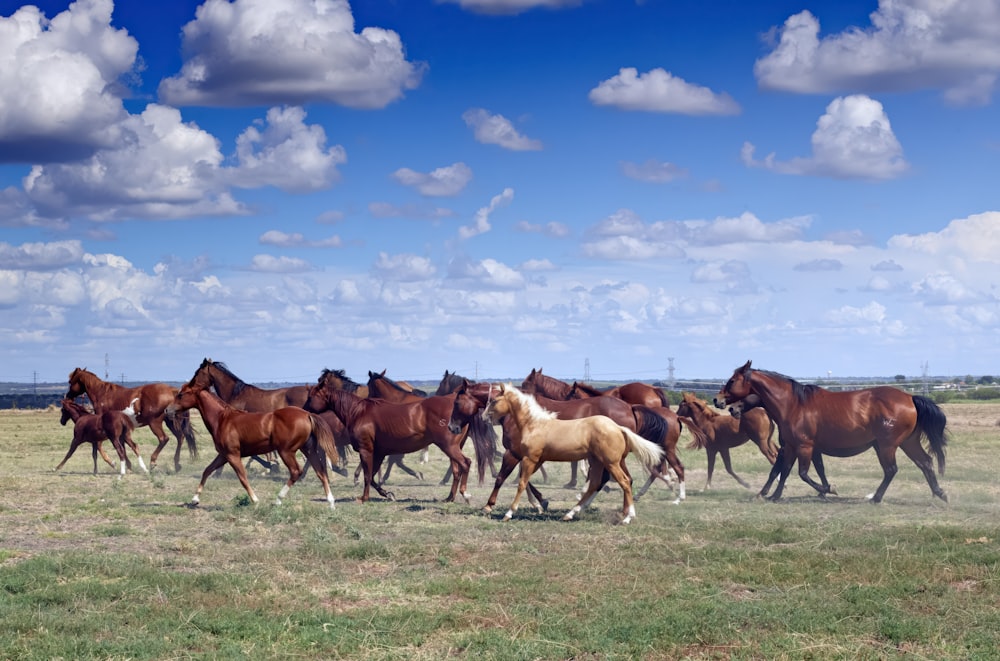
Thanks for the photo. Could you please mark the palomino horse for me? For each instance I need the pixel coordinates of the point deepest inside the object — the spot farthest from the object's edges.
(89, 427)
(243, 396)
(724, 432)
(154, 398)
(239, 434)
(637, 394)
(379, 428)
(598, 439)
(843, 424)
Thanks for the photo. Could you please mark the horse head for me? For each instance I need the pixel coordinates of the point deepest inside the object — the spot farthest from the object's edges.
(499, 406)
(736, 388)
(464, 408)
(77, 383)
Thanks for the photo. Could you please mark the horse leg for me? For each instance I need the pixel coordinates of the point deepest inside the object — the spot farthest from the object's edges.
(528, 466)
(104, 455)
(887, 458)
(126, 439)
(318, 459)
(460, 466)
(573, 467)
(74, 444)
(783, 469)
(220, 460)
(156, 426)
(406, 469)
(377, 459)
(595, 480)
(236, 461)
(727, 462)
(294, 473)
(919, 456)
(622, 478)
(710, 454)
(507, 465)
(671, 457)
(805, 455)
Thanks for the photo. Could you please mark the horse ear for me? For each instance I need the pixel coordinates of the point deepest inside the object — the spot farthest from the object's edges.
(746, 368)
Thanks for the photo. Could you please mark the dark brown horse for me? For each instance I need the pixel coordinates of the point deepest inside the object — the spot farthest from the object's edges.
(382, 387)
(635, 392)
(842, 424)
(154, 398)
(239, 434)
(379, 428)
(89, 427)
(724, 432)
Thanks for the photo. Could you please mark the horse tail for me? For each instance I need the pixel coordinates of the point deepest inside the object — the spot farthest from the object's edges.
(701, 440)
(664, 400)
(648, 452)
(931, 422)
(484, 443)
(324, 436)
(770, 436)
(180, 425)
(649, 424)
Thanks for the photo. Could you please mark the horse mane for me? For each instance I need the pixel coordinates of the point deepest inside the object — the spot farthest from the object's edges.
(239, 384)
(536, 412)
(701, 404)
(449, 383)
(802, 391)
(350, 385)
(587, 388)
(394, 385)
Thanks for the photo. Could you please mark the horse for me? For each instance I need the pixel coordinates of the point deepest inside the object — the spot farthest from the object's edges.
(89, 427)
(239, 434)
(843, 424)
(379, 428)
(637, 394)
(243, 396)
(478, 426)
(154, 398)
(598, 439)
(338, 380)
(724, 432)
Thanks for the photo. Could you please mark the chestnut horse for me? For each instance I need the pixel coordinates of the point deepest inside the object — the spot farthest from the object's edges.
(379, 428)
(239, 434)
(247, 397)
(89, 427)
(150, 409)
(382, 387)
(842, 424)
(724, 432)
(598, 439)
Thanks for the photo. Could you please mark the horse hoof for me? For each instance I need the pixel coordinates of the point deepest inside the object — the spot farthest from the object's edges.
(545, 505)
(488, 509)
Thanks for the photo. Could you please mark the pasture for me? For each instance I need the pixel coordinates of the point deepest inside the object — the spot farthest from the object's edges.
(97, 567)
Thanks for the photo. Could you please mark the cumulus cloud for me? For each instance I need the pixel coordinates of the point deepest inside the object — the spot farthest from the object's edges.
(481, 222)
(60, 95)
(553, 229)
(486, 274)
(286, 153)
(445, 181)
(421, 211)
(976, 237)
(168, 168)
(253, 52)
(510, 7)
(910, 44)
(653, 171)
(847, 315)
(853, 140)
(403, 268)
(272, 264)
(297, 240)
(742, 229)
(492, 129)
(815, 265)
(660, 91)
(40, 256)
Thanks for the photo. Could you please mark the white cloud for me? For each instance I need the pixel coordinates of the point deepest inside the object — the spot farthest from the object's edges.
(910, 44)
(853, 140)
(297, 240)
(486, 274)
(286, 154)
(660, 91)
(497, 130)
(388, 210)
(60, 96)
(445, 181)
(272, 264)
(259, 52)
(481, 223)
(40, 256)
(976, 237)
(403, 268)
(510, 7)
(847, 315)
(743, 228)
(554, 229)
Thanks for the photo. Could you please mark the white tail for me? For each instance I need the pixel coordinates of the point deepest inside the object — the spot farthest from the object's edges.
(649, 453)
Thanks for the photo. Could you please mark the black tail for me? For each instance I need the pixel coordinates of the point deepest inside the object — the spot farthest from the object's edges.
(484, 442)
(650, 425)
(180, 425)
(931, 422)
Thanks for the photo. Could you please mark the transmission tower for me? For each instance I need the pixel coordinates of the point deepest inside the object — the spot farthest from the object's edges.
(586, 369)
(923, 374)
(671, 383)
(107, 365)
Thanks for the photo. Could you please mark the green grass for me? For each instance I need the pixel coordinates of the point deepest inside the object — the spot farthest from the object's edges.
(97, 567)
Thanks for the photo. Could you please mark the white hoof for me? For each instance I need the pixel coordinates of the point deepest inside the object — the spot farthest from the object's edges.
(508, 515)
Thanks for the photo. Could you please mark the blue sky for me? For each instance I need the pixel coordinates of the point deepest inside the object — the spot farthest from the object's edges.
(491, 186)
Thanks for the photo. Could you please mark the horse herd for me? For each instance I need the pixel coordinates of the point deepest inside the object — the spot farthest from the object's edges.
(543, 420)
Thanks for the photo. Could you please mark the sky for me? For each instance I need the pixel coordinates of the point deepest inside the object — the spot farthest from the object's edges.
(596, 188)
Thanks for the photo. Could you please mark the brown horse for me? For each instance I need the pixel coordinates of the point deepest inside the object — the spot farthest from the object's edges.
(88, 427)
(843, 424)
(338, 380)
(243, 396)
(636, 394)
(239, 434)
(382, 387)
(724, 432)
(379, 428)
(598, 439)
(154, 398)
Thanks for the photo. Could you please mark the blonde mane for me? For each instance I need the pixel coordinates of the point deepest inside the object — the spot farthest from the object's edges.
(535, 411)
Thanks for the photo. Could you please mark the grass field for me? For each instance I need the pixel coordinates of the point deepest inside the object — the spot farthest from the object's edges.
(93, 567)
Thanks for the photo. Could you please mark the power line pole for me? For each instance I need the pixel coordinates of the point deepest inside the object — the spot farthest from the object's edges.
(671, 382)
(107, 365)
(586, 369)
